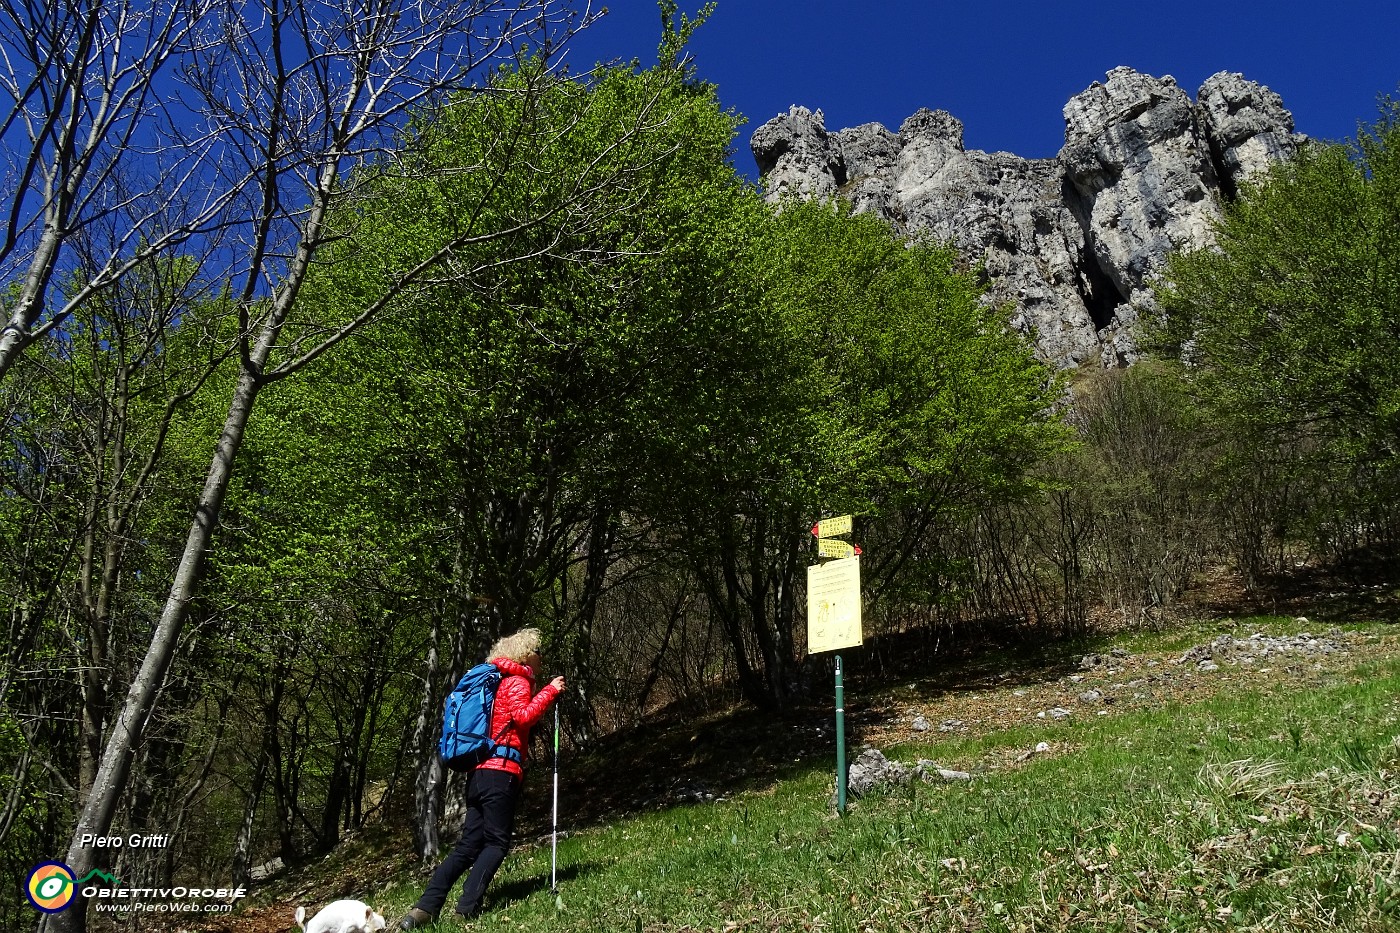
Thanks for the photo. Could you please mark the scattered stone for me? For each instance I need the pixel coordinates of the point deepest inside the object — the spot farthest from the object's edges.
(1091, 661)
(1227, 648)
(873, 770)
(1120, 653)
(1060, 712)
(1090, 696)
(950, 725)
(690, 791)
(1076, 678)
(921, 724)
(1207, 666)
(1042, 746)
(926, 770)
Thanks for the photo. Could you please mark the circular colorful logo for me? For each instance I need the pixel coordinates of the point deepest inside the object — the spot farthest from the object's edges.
(50, 887)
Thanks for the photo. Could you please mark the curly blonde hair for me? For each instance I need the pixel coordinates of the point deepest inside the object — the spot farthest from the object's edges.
(517, 647)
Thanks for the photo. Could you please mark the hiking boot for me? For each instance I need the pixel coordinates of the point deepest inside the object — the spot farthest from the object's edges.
(414, 919)
(468, 915)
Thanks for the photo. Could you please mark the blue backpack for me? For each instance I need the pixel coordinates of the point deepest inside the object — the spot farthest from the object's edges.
(466, 722)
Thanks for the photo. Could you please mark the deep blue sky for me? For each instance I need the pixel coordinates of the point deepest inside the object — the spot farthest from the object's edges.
(1006, 69)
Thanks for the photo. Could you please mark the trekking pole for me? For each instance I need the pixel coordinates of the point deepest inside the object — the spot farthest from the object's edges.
(554, 842)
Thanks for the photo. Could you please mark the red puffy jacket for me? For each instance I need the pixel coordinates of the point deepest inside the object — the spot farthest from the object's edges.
(516, 710)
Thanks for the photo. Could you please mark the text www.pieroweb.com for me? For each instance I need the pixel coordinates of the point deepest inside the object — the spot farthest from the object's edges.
(177, 907)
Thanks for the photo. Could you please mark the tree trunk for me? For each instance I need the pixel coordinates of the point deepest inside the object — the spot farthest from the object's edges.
(15, 335)
(784, 609)
(342, 803)
(427, 803)
(115, 768)
(602, 533)
(243, 844)
(127, 730)
(725, 602)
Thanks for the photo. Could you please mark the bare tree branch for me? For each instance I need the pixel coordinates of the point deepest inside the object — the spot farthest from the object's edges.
(81, 78)
(297, 93)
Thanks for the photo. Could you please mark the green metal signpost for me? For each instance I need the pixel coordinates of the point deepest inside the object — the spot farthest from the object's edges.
(833, 618)
(840, 741)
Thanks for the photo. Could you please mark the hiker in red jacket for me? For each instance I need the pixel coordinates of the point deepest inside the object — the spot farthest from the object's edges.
(493, 788)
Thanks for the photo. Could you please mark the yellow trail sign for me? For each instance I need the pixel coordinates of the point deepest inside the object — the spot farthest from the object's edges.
(833, 605)
(830, 547)
(832, 527)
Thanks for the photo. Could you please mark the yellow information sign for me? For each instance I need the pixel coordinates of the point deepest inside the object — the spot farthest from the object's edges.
(833, 527)
(830, 547)
(833, 605)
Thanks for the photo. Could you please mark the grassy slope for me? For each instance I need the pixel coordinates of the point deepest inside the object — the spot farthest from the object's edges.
(1269, 807)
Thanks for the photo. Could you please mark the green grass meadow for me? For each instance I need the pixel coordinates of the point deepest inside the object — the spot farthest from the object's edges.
(1271, 810)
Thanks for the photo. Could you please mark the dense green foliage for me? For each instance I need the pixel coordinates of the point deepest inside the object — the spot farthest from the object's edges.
(101, 433)
(886, 390)
(1287, 328)
(1289, 321)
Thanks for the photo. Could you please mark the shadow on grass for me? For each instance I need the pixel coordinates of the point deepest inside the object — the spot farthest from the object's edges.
(688, 756)
(682, 757)
(505, 894)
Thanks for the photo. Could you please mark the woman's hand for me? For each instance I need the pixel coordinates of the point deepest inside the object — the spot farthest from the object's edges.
(558, 683)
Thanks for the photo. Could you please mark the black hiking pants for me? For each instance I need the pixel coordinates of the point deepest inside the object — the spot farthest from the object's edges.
(482, 847)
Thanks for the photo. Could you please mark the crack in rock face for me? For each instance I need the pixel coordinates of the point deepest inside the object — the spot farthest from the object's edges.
(1074, 243)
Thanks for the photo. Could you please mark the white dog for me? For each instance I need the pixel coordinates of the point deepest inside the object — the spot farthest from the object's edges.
(342, 917)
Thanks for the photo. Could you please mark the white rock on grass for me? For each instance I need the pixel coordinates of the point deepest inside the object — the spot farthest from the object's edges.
(872, 769)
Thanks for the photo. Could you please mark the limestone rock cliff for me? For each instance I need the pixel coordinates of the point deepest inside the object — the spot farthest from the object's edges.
(1072, 243)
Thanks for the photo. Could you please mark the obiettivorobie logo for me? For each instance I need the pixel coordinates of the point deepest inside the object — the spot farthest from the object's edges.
(51, 885)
